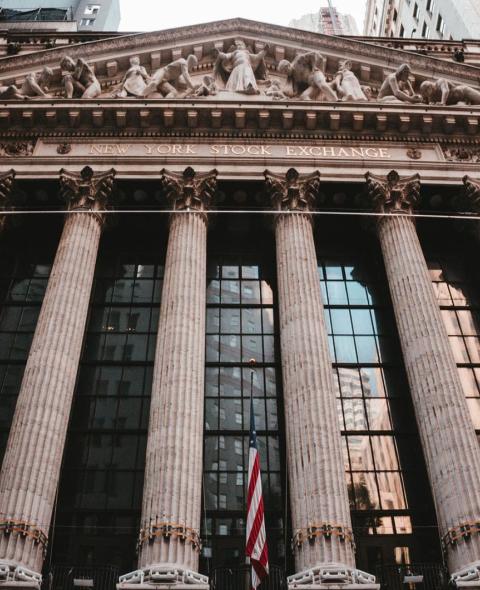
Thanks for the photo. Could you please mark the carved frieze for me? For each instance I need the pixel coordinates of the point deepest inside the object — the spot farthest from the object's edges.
(470, 154)
(240, 71)
(393, 194)
(11, 149)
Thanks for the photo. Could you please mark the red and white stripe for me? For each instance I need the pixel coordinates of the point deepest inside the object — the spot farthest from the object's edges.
(256, 547)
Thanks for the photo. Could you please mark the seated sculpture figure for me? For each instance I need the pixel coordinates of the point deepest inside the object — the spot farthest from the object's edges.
(208, 87)
(346, 83)
(169, 79)
(239, 68)
(444, 92)
(134, 81)
(306, 75)
(35, 84)
(79, 79)
(397, 87)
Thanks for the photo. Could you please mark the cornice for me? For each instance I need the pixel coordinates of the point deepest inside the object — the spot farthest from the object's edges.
(390, 58)
(294, 119)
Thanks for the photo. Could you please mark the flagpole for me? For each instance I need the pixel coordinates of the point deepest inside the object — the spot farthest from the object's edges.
(252, 362)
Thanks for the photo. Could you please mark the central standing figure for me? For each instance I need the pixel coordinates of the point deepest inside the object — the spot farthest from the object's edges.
(239, 69)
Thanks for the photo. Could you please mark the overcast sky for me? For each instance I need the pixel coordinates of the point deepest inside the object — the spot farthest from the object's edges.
(155, 15)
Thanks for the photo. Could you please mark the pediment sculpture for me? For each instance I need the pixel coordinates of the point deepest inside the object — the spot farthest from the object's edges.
(242, 71)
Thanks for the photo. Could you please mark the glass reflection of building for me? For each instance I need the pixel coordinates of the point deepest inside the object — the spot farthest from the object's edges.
(100, 493)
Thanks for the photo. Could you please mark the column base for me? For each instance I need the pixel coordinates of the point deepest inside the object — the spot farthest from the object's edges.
(163, 576)
(468, 577)
(13, 575)
(331, 576)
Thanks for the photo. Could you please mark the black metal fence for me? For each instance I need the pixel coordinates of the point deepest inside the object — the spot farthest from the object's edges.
(68, 577)
(418, 576)
(238, 578)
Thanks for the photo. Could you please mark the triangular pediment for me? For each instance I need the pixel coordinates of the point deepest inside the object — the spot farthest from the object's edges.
(110, 58)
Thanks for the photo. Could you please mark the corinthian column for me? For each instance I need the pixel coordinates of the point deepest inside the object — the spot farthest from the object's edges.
(321, 522)
(446, 430)
(31, 466)
(169, 542)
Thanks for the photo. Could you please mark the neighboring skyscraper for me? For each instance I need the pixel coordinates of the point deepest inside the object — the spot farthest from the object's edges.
(327, 20)
(90, 15)
(429, 19)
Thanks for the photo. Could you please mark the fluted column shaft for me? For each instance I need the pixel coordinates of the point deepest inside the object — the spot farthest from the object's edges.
(173, 472)
(31, 466)
(445, 426)
(30, 471)
(172, 496)
(318, 490)
(446, 430)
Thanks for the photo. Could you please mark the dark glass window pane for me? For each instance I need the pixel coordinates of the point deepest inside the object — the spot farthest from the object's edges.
(252, 321)
(378, 414)
(354, 414)
(384, 452)
(365, 491)
(250, 292)
(362, 322)
(367, 349)
(230, 350)
(213, 292)
(340, 321)
(230, 321)
(360, 453)
(337, 294)
(345, 349)
(391, 491)
(230, 292)
(350, 384)
(213, 320)
(211, 414)
(357, 294)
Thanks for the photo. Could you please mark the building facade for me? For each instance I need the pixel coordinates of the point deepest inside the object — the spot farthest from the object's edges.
(422, 19)
(328, 21)
(103, 15)
(177, 203)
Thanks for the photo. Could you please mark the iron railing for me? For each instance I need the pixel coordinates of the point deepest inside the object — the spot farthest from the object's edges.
(417, 576)
(69, 577)
(238, 578)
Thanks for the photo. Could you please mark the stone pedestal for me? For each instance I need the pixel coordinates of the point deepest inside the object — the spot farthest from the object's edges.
(444, 423)
(30, 470)
(323, 538)
(170, 540)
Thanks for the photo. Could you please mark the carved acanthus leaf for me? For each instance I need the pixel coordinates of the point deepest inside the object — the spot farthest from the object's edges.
(472, 192)
(189, 190)
(292, 192)
(392, 194)
(86, 190)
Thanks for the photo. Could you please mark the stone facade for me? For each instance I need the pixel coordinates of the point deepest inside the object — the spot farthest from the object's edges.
(272, 110)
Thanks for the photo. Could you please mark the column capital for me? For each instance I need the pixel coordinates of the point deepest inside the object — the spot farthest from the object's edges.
(86, 190)
(472, 192)
(6, 185)
(392, 194)
(189, 190)
(292, 191)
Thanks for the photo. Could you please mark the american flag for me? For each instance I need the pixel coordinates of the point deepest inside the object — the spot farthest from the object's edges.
(256, 547)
